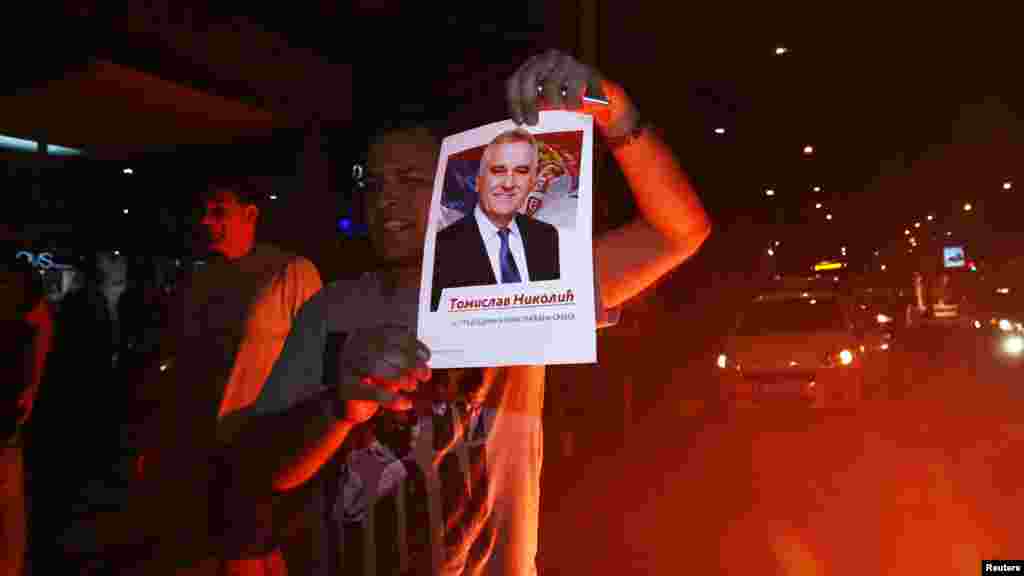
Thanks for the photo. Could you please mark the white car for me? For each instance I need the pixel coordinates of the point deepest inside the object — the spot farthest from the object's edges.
(799, 346)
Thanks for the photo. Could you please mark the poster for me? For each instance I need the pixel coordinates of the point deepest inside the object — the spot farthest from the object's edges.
(508, 274)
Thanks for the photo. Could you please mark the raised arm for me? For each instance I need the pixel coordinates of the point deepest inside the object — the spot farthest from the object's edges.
(673, 223)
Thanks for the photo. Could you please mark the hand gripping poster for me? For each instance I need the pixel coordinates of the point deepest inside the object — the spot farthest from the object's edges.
(508, 274)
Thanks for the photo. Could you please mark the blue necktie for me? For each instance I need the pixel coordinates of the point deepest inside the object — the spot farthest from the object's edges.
(509, 271)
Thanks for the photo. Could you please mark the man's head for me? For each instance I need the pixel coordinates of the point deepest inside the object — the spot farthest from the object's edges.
(400, 165)
(508, 171)
(230, 214)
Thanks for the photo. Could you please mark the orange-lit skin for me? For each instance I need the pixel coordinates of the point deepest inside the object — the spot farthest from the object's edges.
(41, 318)
(674, 223)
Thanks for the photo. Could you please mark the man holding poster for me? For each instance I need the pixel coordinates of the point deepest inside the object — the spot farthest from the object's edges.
(499, 243)
(446, 479)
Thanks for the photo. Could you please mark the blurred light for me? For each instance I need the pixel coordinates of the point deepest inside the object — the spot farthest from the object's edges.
(828, 216)
(273, 196)
(813, 301)
(816, 188)
(54, 150)
(883, 267)
(845, 357)
(780, 50)
(968, 207)
(1013, 345)
(972, 266)
(719, 131)
(1005, 325)
(930, 217)
(722, 361)
(876, 252)
(883, 319)
(884, 346)
(771, 252)
(345, 224)
(949, 233)
(1007, 185)
(906, 232)
(128, 171)
(917, 224)
(808, 150)
(823, 266)
(1003, 290)
(20, 144)
(125, 211)
(769, 192)
(163, 367)
(977, 324)
(804, 294)
(777, 242)
(117, 252)
(818, 205)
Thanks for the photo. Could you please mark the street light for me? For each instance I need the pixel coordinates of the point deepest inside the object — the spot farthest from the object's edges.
(917, 224)
(769, 192)
(771, 252)
(1007, 185)
(808, 150)
(816, 188)
(906, 231)
(818, 205)
(828, 216)
(968, 207)
(930, 217)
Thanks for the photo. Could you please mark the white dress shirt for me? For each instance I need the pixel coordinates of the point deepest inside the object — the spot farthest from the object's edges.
(489, 234)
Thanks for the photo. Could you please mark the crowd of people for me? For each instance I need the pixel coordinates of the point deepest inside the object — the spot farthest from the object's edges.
(299, 428)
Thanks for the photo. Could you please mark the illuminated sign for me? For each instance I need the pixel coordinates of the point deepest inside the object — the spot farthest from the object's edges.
(953, 257)
(822, 266)
(43, 260)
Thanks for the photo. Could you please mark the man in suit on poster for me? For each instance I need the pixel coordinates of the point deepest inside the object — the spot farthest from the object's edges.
(495, 242)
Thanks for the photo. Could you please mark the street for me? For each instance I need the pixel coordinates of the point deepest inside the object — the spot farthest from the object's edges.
(926, 481)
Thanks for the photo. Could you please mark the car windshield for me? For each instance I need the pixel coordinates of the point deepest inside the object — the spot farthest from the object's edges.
(802, 315)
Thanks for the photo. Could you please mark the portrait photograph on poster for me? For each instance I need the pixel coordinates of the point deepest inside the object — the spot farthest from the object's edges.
(508, 275)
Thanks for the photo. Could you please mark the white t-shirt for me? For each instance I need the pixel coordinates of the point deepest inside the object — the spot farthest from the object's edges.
(237, 316)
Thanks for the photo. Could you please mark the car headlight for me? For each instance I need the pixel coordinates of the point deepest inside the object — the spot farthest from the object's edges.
(1013, 345)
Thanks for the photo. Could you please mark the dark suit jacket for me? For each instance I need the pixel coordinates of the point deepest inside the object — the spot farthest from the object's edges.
(460, 257)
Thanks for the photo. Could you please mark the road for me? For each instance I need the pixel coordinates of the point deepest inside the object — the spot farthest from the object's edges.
(926, 481)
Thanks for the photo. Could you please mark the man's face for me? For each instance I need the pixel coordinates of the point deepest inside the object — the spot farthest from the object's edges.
(229, 224)
(401, 174)
(506, 180)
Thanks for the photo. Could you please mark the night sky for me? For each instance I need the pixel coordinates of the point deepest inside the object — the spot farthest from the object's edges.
(910, 111)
